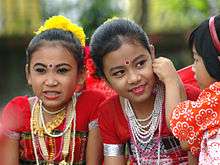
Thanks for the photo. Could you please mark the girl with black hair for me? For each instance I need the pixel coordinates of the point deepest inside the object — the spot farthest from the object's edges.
(57, 125)
(196, 123)
(147, 89)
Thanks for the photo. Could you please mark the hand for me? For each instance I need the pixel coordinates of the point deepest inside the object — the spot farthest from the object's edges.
(165, 70)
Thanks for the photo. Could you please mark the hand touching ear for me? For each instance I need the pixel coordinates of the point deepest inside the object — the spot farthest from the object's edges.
(164, 69)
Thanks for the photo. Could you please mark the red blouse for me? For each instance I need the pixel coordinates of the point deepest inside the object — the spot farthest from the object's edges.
(114, 126)
(16, 123)
(191, 119)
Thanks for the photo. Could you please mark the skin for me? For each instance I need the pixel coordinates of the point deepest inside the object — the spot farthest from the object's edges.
(54, 76)
(132, 72)
(201, 75)
(204, 80)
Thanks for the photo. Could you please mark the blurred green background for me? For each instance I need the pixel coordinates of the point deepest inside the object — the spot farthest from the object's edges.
(167, 22)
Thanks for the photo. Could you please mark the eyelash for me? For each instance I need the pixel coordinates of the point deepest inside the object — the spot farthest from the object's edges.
(141, 64)
(62, 70)
(118, 73)
(40, 70)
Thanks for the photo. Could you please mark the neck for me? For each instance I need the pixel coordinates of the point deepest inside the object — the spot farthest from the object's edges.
(141, 109)
(53, 112)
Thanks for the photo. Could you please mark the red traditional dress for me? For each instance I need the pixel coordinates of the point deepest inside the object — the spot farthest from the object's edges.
(16, 123)
(117, 140)
(198, 122)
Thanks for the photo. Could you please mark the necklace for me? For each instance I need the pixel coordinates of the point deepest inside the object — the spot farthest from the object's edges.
(69, 122)
(50, 126)
(36, 120)
(52, 112)
(144, 133)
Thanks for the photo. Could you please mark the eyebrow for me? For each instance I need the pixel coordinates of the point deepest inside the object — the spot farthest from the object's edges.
(121, 67)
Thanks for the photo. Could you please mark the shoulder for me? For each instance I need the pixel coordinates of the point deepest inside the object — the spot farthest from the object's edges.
(19, 101)
(16, 114)
(91, 96)
(111, 104)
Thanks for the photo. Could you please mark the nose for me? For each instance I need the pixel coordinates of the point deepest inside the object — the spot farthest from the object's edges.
(51, 81)
(133, 77)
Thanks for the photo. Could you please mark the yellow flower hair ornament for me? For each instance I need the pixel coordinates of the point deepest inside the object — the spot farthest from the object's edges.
(63, 23)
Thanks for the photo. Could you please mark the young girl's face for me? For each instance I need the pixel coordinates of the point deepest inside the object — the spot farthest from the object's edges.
(201, 75)
(129, 72)
(53, 75)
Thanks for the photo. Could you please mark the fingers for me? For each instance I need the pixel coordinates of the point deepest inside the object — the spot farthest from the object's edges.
(163, 68)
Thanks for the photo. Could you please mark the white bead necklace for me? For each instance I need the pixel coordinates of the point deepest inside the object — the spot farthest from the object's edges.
(52, 112)
(67, 135)
(144, 133)
(68, 123)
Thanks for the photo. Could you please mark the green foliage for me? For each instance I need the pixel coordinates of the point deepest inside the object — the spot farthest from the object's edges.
(178, 15)
(95, 12)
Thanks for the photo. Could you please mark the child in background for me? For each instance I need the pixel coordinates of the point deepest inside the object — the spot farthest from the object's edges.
(197, 123)
(57, 126)
(147, 87)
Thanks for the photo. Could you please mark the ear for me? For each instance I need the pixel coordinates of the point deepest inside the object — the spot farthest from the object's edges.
(27, 74)
(80, 81)
(219, 58)
(152, 51)
(81, 77)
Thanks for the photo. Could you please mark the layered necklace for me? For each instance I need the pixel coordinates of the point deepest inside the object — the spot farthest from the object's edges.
(39, 129)
(144, 133)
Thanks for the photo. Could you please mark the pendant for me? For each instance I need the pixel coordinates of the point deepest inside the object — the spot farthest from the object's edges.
(63, 162)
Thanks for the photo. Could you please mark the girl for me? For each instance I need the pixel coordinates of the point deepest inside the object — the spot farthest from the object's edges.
(57, 126)
(136, 117)
(197, 123)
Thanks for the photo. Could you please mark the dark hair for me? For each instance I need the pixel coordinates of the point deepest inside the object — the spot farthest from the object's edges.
(63, 38)
(110, 36)
(201, 38)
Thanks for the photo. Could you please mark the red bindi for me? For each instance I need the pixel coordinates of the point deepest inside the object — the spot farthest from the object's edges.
(50, 65)
(127, 62)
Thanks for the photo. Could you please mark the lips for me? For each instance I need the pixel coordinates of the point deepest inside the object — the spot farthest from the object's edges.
(138, 90)
(51, 94)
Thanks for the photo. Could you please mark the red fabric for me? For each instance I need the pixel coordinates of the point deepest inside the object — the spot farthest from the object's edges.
(16, 119)
(187, 76)
(114, 129)
(191, 119)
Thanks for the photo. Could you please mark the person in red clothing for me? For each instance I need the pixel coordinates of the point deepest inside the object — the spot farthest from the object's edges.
(135, 121)
(203, 139)
(57, 125)
(197, 123)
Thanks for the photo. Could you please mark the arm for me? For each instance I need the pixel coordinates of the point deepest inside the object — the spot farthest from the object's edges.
(174, 89)
(94, 149)
(192, 160)
(10, 152)
(116, 160)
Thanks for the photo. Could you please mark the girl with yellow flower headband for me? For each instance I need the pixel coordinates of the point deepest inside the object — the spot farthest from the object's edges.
(56, 126)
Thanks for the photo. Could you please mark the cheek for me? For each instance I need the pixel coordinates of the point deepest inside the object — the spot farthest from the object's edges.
(117, 84)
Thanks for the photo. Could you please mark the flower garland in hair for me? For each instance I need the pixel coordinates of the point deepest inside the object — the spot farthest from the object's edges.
(63, 23)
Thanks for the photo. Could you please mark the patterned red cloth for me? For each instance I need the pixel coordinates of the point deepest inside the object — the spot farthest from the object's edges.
(190, 119)
(16, 123)
(114, 128)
